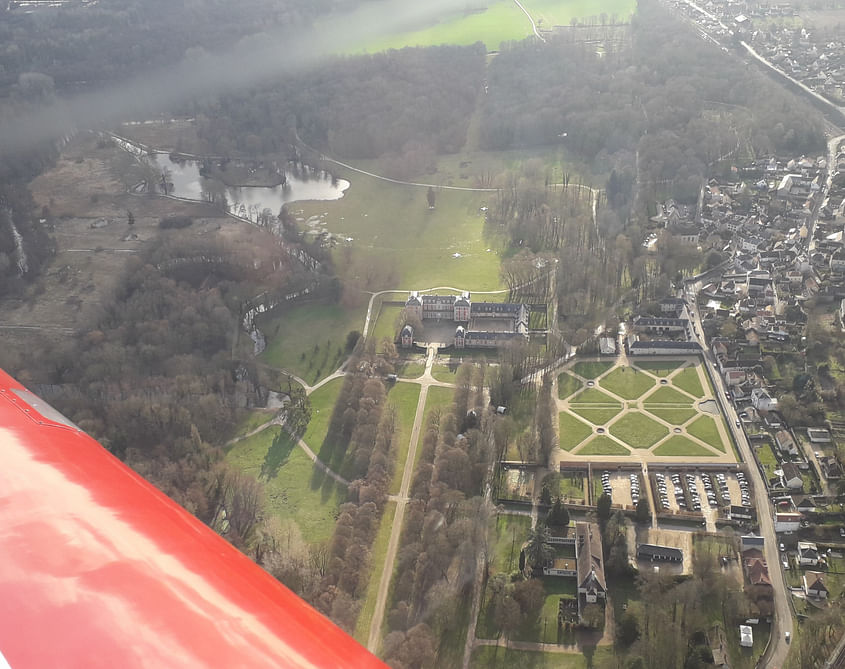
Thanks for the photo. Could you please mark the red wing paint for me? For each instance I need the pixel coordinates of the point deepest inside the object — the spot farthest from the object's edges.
(100, 569)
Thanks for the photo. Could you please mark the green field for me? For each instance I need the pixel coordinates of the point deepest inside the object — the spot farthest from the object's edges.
(594, 396)
(680, 445)
(252, 420)
(627, 382)
(666, 395)
(638, 430)
(511, 533)
(444, 373)
(672, 415)
(399, 242)
(404, 396)
(288, 492)
(572, 431)
(705, 428)
(602, 445)
(572, 485)
(567, 384)
(549, 13)
(591, 369)
(322, 404)
(501, 21)
(309, 340)
(377, 557)
(688, 381)
(660, 367)
(596, 415)
(385, 326)
(410, 369)
(493, 657)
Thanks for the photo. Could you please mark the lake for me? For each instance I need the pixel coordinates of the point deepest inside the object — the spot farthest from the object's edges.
(248, 202)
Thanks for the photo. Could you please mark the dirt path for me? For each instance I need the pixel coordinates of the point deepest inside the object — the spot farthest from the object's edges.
(401, 503)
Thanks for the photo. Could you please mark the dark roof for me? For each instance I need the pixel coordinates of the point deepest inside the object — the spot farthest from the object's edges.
(480, 334)
(648, 320)
(496, 307)
(408, 330)
(589, 551)
(655, 552)
(679, 345)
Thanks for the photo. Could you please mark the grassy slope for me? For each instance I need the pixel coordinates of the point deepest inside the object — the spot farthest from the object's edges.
(379, 551)
(399, 241)
(294, 333)
(404, 396)
(288, 493)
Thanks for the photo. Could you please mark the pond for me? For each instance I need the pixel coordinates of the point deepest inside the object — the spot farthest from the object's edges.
(304, 183)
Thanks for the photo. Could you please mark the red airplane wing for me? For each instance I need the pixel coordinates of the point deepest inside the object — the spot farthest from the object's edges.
(100, 569)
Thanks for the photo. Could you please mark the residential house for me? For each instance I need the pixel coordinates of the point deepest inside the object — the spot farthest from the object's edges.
(655, 553)
(792, 477)
(406, 337)
(808, 554)
(788, 521)
(592, 586)
(831, 468)
(762, 401)
(814, 585)
(785, 443)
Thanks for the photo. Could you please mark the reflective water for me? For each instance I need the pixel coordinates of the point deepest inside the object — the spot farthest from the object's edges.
(248, 201)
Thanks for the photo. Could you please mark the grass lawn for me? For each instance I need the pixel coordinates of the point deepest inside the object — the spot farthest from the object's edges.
(594, 396)
(687, 380)
(660, 367)
(404, 396)
(705, 428)
(545, 629)
(511, 533)
(309, 340)
(567, 384)
(766, 457)
(666, 395)
(437, 398)
(680, 445)
(572, 485)
(572, 431)
(385, 325)
(410, 369)
(591, 370)
(673, 416)
(501, 21)
(400, 242)
(252, 420)
(322, 405)
(602, 445)
(627, 382)
(444, 373)
(287, 490)
(597, 416)
(377, 556)
(548, 13)
(499, 657)
(638, 430)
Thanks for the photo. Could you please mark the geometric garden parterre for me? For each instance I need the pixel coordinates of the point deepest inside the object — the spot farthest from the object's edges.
(651, 410)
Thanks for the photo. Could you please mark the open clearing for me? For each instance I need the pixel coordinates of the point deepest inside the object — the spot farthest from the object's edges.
(288, 491)
(399, 242)
(403, 396)
(309, 340)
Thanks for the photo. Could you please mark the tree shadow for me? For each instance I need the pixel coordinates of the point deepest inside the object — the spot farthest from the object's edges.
(277, 455)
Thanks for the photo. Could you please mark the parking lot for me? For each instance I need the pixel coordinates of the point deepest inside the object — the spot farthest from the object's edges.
(619, 484)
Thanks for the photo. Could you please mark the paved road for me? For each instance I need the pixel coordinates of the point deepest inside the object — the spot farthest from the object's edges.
(782, 623)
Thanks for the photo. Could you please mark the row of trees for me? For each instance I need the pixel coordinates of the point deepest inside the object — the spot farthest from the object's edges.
(445, 528)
